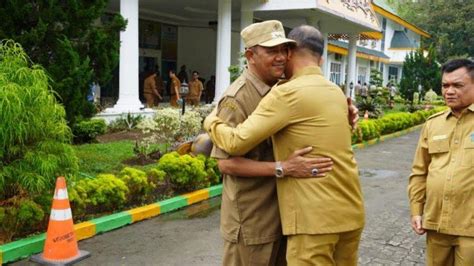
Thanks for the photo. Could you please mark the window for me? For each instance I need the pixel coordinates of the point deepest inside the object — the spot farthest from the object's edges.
(393, 73)
(335, 73)
(362, 75)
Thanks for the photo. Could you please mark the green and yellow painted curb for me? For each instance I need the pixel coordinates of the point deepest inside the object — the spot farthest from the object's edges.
(25, 247)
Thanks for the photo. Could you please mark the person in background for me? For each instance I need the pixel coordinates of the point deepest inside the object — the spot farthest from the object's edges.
(195, 90)
(175, 86)
(151, 89)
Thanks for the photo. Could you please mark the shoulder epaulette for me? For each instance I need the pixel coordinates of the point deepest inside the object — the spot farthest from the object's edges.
(235, 87)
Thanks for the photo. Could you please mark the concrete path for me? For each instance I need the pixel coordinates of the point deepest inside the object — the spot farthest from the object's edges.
(191, 236)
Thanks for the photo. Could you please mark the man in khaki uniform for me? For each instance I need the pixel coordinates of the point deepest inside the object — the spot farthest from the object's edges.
(174, 89)
(195, 90)
(441, 187)
(152, 86)
(322, 217)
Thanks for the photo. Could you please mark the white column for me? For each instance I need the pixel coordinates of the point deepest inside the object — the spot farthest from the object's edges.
(351, 68)
(325, 66)
(224, 23)
(128, 81)
(246, 18)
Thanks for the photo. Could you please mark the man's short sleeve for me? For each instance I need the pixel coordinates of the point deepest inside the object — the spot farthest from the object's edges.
(229, 110)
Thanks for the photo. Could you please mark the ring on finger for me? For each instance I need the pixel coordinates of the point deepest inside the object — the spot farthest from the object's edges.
(314, 171)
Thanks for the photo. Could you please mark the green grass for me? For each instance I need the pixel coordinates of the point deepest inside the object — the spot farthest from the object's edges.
(102, 158)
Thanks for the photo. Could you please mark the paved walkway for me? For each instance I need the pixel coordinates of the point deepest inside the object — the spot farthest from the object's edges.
(191, 236)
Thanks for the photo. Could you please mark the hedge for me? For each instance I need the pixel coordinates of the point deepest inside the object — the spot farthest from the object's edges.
(374, 128)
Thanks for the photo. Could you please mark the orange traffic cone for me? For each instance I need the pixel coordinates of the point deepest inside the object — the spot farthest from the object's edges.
(60, 247)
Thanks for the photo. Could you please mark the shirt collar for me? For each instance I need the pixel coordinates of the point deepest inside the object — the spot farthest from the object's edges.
(450, 112)
(259, 85)
(309, 70)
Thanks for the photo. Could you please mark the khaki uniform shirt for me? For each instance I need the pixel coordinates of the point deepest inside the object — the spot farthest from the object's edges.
(149, 85)
(175, 83)
(249, 204)
(195, 88)
(306, 111)
(441, 186)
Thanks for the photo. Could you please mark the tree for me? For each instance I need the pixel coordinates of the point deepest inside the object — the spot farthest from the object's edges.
(449, 22)
(420, 70)
(34, 141)
(376, 77)
(63, 36)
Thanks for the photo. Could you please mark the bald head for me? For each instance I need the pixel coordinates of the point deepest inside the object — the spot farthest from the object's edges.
(308, 38)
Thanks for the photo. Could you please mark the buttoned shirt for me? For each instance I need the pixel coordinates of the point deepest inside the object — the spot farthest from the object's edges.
(249, 204)
(441, 186)
(306, 111)
(195, 88)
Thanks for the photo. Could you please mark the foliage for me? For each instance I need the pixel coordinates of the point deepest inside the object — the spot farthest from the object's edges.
(431, 96)
(138, 184)
(376, 77)
(168, 125)
(448, 22)
(212, 169)
(63, 36)
(420, 70)
(87, 130)
(34, 136)
(106, 192)
(185, 172)
(236, 70)
(371, 105)
(16, 215)
(125, 122)
(373, 128)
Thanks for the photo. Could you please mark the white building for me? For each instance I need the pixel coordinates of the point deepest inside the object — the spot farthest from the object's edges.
(204, 36)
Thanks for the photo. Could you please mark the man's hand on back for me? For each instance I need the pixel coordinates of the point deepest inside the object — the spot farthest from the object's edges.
(298, 166)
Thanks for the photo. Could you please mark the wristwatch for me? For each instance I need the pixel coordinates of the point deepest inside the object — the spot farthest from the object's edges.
(279, 170)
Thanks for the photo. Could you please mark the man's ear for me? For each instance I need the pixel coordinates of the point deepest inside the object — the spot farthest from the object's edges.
(249, 56)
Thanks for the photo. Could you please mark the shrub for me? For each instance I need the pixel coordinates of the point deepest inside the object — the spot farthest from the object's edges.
(34, 136)
(17, 215)
(212, 169)
(125, 122)
(168, 125)
(184, 172)
(87, 130)
(371, 129)
(139, 186)
(106, 192)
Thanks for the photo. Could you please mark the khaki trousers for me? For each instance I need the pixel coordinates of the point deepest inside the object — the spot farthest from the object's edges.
(447, 250)
(324, 249)
(268, 254)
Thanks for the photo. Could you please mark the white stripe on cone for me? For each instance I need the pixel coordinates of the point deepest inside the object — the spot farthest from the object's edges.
(61, 215)
(61, 194)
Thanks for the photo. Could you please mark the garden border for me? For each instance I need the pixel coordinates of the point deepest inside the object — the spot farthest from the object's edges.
(23, 248)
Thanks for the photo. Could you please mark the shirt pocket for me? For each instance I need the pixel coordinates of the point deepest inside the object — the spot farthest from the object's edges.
(468, 156)
(437, 149)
